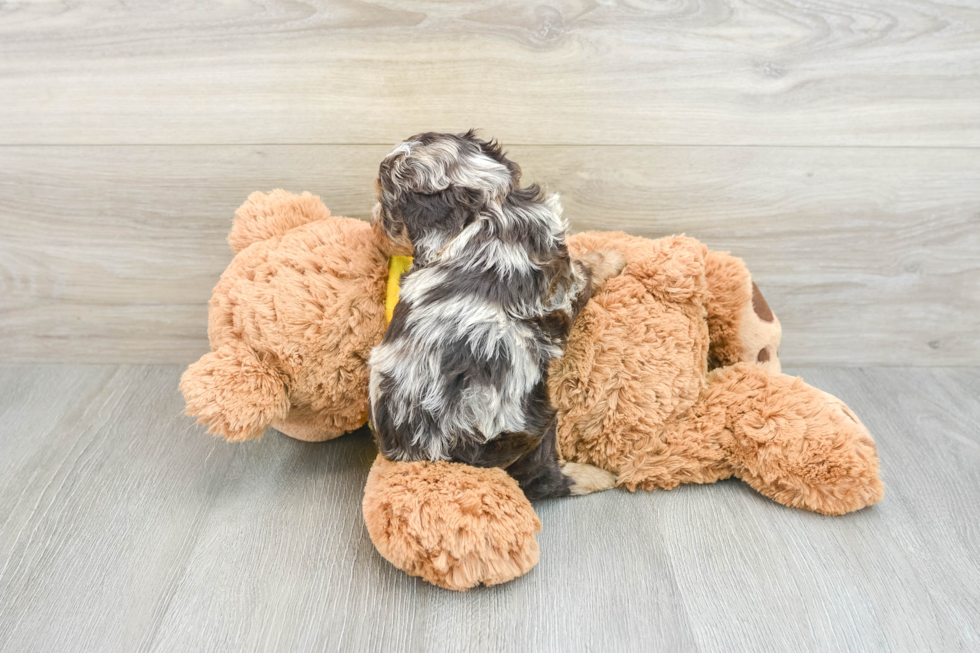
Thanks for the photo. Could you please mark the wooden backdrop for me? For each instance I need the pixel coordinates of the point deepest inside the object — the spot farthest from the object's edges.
(834, 145)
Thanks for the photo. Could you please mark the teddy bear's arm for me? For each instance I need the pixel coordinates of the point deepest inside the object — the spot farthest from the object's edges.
(234, 393)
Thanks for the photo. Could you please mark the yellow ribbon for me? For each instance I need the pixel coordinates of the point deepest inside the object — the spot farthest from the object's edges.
(397, 266)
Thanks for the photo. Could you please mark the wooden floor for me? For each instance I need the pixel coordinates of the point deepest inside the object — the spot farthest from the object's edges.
(124, 528)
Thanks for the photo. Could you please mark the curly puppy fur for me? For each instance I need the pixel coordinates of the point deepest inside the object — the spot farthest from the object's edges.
(634, 397)
(461, 374)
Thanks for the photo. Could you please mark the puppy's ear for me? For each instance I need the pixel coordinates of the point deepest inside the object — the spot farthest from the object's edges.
(433, 219)
(385, 215)
(493, 150)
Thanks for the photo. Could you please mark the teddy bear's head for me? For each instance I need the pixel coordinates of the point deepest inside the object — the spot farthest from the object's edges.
(291, 323)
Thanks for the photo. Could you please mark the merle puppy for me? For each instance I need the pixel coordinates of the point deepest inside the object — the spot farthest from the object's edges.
(462, 372)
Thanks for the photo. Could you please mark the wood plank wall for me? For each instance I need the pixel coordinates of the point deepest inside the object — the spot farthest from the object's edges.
(835, 146)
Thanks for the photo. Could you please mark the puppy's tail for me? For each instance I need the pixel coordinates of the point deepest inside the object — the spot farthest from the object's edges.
(266, 215)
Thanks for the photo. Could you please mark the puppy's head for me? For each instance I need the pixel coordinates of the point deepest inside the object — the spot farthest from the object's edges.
(433, 185)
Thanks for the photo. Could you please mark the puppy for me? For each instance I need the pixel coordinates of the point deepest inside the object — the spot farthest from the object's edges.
(462, 372)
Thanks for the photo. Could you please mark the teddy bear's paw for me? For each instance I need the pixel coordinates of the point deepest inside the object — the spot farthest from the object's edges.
(588, 478)
(795, 443)
(453, 525)
(838, 405)
(234, 393)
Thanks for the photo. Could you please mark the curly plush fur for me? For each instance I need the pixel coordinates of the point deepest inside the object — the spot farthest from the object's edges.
(634, 396)
(454, 525)
(297, 312)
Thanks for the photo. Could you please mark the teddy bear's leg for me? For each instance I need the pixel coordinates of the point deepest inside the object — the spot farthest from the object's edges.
(454, 525)
(687, 449)
(234, 393)
(741, 326)
(312, 425)
(790, 441)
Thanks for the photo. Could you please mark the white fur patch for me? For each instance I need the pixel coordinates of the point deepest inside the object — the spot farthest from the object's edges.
(415, 366)
(588, 478)
(405, 148)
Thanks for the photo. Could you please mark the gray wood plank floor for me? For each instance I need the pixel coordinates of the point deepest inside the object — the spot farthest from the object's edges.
(124, 528)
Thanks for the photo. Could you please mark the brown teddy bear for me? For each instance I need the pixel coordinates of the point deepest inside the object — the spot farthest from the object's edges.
(671, 375)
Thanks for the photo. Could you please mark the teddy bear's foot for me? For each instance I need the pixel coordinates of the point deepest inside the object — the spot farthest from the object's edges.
(308, 425)
(454, 525)
(603, 264)
(794, 443)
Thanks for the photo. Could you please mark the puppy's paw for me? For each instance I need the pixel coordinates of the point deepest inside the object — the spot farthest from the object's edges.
(588, 478)
(604, 264)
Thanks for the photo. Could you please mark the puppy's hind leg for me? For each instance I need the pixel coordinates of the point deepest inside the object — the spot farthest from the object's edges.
(564, 479)
(587, 478)
(541, 476)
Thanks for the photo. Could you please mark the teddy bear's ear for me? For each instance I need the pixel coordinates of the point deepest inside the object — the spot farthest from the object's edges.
(234, 393)
(741, 326)
(266, 215)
